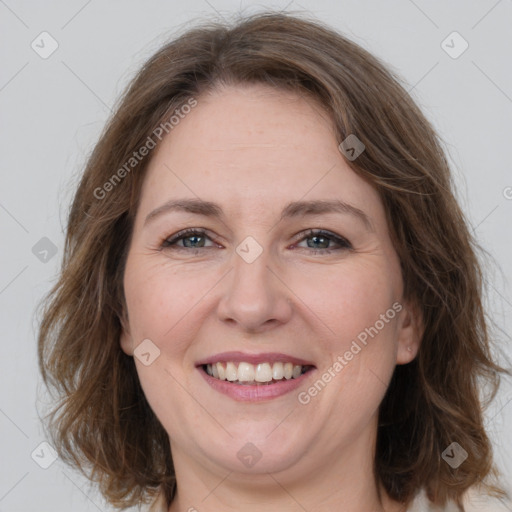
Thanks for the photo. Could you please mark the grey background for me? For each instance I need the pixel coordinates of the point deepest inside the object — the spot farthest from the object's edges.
(52, 111)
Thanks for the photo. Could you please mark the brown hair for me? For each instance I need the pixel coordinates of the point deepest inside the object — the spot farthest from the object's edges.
(103, 421)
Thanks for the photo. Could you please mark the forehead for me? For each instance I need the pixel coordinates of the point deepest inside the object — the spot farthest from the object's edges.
(253, 147)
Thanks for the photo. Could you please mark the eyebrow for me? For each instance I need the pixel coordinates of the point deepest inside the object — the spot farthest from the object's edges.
(291, 210)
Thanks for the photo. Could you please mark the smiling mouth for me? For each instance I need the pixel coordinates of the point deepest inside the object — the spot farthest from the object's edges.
(248, 374)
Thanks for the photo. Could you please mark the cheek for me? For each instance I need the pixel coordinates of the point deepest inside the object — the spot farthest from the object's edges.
(356, 305)
(350, 297)
(159, 298)
(363, 299)
(160, 303)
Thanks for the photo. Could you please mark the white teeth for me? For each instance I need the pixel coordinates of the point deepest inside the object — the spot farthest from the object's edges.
(249, 373)
(263, 373)
(245, 372)
(278, 371)
(231, 372)
(221, 371)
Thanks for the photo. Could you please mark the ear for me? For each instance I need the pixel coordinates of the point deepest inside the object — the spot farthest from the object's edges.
(410, 332)
(125, 339)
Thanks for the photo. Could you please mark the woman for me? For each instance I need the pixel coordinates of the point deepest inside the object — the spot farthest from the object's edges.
(270, 297)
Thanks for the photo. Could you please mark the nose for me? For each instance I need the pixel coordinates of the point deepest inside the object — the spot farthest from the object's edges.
(255, 298)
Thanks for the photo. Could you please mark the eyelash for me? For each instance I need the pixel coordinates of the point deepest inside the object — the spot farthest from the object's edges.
(343, 243)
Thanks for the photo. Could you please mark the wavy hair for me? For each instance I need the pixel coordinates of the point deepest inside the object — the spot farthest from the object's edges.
(102, 423)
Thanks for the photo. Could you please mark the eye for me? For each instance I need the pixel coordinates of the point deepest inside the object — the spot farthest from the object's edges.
(321, 241)
(193, 238)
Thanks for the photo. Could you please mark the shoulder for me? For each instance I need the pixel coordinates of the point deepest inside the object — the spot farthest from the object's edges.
(474, 501)
(478, 501)
(158, 504)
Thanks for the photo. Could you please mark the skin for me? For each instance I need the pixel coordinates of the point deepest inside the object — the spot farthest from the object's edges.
(252, 149)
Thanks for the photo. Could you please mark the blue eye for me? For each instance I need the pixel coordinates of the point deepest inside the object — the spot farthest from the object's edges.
(321, 241)
(192, 238)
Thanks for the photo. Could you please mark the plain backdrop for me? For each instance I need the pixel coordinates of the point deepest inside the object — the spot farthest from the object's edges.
(53, 108)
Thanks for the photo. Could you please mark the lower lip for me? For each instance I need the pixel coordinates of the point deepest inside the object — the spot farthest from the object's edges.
(258, 393)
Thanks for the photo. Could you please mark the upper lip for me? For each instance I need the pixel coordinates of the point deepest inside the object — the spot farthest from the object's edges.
(266, 357)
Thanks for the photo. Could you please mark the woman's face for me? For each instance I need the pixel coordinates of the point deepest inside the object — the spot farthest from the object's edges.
(254, 292)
